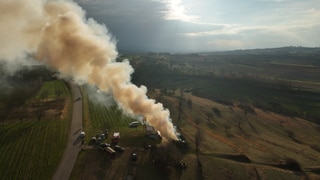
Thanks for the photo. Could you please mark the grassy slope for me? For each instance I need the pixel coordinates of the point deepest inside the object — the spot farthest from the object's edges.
(32, 149)
(266, 138)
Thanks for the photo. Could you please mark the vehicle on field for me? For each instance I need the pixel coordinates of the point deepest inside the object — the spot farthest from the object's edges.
(115, 138)
(134, 157)
(134, 124)
(103, 146)
(94, 139)
(82, 134)
(111, 151)
(118, 148)
(106, 132)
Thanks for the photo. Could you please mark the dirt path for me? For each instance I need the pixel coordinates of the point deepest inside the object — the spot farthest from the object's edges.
(70, 154)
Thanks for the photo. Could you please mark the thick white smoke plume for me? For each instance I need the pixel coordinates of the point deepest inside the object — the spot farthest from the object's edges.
(57, 33)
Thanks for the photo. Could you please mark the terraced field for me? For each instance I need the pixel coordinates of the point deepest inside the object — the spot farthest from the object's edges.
(92, 163)
(30, 148)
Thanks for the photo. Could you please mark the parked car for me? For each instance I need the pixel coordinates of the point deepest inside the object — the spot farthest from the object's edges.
(103, 146)
(147, 146)
(94, 139)
(103, 136)
(134, 157)
(82, 134)
(118, 148)
(115, 138)
(99, 139)
(111, 152)
(134, 124)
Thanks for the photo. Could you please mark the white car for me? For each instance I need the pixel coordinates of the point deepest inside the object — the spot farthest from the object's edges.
(134, 124)
(82, 134)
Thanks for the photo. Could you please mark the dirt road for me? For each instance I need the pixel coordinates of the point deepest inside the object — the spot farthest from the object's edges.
(70, 154)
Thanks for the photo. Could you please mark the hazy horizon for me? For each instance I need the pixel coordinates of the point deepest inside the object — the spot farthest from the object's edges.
(137, 50)
(209, 25)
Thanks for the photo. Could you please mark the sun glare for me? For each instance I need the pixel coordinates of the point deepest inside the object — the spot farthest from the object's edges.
(176, 11)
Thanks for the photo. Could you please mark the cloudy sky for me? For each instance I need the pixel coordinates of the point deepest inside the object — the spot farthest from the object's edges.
(207, 25)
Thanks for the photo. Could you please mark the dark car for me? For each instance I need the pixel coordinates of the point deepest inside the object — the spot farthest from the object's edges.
(118, 148)
(102, 146)
(134, 157)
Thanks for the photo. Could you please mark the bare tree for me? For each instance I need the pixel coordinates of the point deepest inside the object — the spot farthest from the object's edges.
(190, 103)
(181, 93)
(58, 92)
(198, 139)
(44, 94)
(239, 120)
(39, 113)
(197, 121)
(216, 111)
(22, 113)
(38, 109)
(209, 116)
(3, 113)
(227, 127)
(179, 111)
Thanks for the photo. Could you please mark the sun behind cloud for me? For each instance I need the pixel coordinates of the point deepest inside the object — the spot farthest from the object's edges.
(176, 11)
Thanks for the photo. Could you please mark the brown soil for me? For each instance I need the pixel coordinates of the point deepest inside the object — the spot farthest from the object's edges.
(51, 109)
(100, 165)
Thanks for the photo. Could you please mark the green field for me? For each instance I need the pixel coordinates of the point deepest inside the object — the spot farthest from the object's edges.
(97, 118)
(32, 149)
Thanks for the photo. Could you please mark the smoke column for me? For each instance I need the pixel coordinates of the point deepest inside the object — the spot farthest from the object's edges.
(57, 33)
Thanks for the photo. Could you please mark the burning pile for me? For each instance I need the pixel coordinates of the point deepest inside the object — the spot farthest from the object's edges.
(57, 33)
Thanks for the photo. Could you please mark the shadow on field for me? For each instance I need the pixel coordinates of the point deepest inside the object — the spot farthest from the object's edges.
(285, 164)
(76, 131)
(315, 170)
(234, 157)
(77, 141)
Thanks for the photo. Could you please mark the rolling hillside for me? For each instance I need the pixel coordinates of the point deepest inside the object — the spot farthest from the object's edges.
(257, 144)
